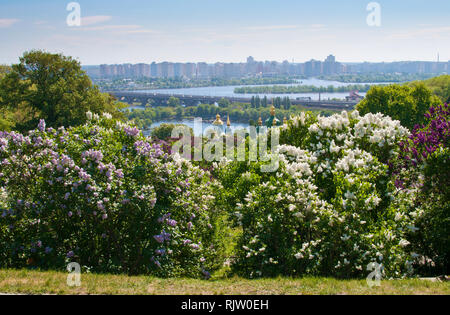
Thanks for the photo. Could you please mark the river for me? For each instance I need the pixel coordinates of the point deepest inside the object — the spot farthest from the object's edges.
(228, 91)
(199, 129)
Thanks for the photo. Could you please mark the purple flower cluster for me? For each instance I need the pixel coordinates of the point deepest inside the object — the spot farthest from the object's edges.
(93, 155)
(132, 131)
(41, 125)
(425, 140)
(162, 237)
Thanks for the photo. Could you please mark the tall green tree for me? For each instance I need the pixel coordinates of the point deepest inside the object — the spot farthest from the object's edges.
(401, 102)
(224, 103)
(52, 87)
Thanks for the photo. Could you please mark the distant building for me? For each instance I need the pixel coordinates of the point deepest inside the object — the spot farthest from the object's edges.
(252, 67)
(354, 96)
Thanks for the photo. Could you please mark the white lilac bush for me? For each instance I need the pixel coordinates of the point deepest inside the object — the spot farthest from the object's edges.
(107, 197)
(331, 208)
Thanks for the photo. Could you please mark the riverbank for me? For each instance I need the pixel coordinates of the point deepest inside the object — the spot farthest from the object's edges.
(51, 282)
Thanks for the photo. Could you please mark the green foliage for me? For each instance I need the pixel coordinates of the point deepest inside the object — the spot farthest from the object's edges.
(432, 239)
(52, 87)
(164, 131)
(440, 86)
(238, 112)
(403, 103)
(173, 102)
(178, 83)
(375, 77)
(224, 103)
(330, 208)
(282, 89)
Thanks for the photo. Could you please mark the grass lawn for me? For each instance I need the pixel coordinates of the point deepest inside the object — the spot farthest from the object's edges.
(36, 282)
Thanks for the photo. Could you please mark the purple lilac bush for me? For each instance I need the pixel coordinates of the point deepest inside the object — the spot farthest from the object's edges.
(423, 167)
(105, 196)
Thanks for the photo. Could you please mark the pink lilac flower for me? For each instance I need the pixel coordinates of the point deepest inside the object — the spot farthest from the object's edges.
(172, 222)
(132, 131)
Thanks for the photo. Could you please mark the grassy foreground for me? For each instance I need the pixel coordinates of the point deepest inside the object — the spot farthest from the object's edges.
(36, 282)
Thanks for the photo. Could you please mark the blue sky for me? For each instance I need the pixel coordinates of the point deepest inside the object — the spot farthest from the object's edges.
(226, 30)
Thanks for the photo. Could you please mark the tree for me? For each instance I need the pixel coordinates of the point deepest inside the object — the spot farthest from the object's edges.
(257, 102)
(173, 101)
(264, 101)
(440, 86)
(286, 103)
(252, 102)
(224, 103)
(401, 102)
(6, 121)
(164, 131)
(179, 111)
(52, 87)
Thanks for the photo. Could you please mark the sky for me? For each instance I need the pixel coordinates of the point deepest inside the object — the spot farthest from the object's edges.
(133, 31)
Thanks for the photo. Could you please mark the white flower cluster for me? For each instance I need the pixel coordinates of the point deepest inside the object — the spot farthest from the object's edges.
(326, 190)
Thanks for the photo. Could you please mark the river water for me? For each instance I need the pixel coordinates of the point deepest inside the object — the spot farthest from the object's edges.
(198, 128)
(228, 91)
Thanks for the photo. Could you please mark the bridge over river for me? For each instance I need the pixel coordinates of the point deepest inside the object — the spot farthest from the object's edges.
(133, 97)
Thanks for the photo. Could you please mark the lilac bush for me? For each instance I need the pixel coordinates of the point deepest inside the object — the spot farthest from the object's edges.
(423, 168)
(331, 208)
(107, 197)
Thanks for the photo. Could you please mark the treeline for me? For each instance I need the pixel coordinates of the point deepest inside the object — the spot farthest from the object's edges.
(376, 77)
(278, 102)
(440, 86)
(238, 112)
(282, 89)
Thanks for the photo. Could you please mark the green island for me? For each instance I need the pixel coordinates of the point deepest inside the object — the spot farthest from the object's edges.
(178, 83)
(282, 89)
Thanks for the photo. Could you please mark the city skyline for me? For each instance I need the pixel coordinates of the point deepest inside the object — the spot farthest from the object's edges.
(204, 31)
(252, 67)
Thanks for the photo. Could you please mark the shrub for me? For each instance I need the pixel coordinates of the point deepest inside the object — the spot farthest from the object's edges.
(103, 195)
(164, 131)
(423, 166)
(331, 208)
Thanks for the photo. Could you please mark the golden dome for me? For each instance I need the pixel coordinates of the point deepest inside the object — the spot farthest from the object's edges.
(272, 110)
(228, 121)
(218, 122)
(260, 121)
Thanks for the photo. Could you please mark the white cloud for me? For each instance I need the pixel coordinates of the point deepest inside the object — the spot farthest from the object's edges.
(272, 27)
(91, 20)
(413, 34)
(118, 29)
(107, 28)
(8, 22)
